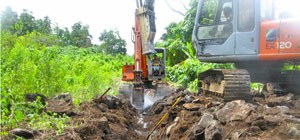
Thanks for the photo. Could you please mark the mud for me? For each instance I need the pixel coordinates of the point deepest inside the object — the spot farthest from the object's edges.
(194, 117)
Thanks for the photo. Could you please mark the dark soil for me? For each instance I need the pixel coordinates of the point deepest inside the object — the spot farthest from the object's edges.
(194, 117)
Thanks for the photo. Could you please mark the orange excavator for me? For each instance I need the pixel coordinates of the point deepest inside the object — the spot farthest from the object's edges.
(258, 36)
(149, 62)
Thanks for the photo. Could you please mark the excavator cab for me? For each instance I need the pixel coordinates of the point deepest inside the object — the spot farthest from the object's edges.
(246, 30)
(226, 28)
(157, 65)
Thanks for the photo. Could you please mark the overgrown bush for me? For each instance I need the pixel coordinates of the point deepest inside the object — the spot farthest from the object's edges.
(34, 63)
(186, 72)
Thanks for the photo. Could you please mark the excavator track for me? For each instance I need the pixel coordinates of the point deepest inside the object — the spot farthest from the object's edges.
(225, 84)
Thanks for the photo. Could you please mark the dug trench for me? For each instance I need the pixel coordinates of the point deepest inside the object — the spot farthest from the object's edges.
(194, 117)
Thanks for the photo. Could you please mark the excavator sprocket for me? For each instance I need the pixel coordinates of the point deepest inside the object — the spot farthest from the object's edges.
(225, 84)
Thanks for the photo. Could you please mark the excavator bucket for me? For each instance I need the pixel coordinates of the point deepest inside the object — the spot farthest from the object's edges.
(144, 97)
(137, 98)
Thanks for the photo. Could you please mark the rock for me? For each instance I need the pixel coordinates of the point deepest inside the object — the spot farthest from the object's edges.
(297, 103)
(235, 111)
(187, 97)
(293, 120)
(213, 131)
(213, 104)
(253, 117)
(172, 126)
(235, 136)
(273, 120)
(202, 100)
(271, 111)
(294, 132)
(27, 134)
(110, 101)
(198, 129)
(283, 109)
(276, 110)
(65, 96)
(61, 104)
(205, 120)
(60, 107)
(34, 97)
(192, 106)
(117, 103)
(103, 125)
(102, 107)
(116, 137)
(197, 100)
(260, 123)
(254, 130)
(103, 119)
(159, 107)
(282, 100)
(168, 130)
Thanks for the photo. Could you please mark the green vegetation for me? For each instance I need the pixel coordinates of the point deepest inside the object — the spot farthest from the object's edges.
(183, 66)
(186, 72)
(28, 65)
(112, 43)
(289, 66)
(38, 59)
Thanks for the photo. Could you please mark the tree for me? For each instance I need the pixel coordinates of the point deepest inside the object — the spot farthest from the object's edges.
(44, 25)
(178, 37)
(26, 23)
(8, 19)
(112, 43)
(80, 35)
(64, 35)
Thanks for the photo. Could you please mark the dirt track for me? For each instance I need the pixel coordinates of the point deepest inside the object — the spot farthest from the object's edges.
(194, 117)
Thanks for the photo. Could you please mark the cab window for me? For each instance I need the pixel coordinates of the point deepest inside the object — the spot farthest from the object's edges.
(226, 13)
(215, 20)
(209, 12)
(246, 20)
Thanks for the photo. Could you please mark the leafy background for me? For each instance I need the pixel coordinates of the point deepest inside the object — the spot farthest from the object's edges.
(39, 58)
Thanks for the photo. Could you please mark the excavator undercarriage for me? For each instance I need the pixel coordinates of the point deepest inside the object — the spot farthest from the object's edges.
(225, 84)
(228, 85)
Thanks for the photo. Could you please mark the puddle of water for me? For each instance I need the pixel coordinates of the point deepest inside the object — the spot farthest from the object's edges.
(141, 121)
(150, 97)
(145, 125)
(139, 132)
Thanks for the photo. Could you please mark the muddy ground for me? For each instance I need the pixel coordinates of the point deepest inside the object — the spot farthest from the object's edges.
(194, 117)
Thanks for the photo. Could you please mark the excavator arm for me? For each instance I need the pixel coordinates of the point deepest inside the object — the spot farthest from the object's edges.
(144, 36)
(141, 72)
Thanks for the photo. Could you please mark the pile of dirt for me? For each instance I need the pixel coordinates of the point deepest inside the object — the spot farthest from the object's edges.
(106, 117)
(103, 118)
(199, 117)
(194, 117)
